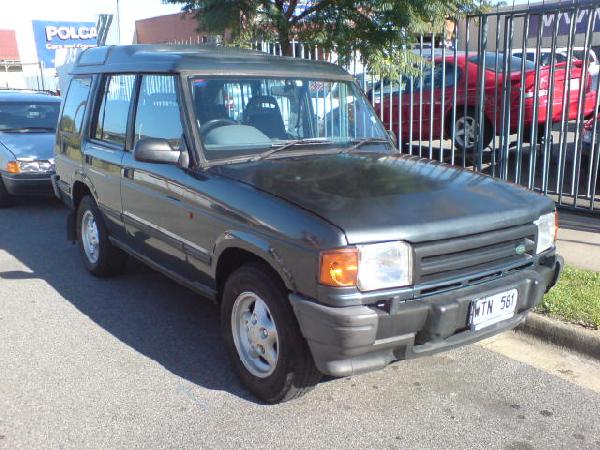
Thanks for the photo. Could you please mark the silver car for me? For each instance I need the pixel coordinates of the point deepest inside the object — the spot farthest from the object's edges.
(27, 135)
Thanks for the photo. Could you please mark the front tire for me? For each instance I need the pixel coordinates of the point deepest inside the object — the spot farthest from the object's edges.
(99, 256)
(268, 352)
(6, 200)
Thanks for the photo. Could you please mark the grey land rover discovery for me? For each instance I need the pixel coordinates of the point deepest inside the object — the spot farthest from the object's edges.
(269, 186)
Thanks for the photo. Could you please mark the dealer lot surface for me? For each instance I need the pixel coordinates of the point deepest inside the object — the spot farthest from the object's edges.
(138, 361)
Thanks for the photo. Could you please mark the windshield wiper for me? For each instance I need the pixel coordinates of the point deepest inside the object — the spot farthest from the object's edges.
(13, 130)
(266, 154)
(360, 142)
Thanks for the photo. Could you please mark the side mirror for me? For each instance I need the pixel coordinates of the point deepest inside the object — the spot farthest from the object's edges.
(153, 150)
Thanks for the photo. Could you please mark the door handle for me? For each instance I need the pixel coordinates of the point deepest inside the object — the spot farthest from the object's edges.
(170, 197)
(128, 172)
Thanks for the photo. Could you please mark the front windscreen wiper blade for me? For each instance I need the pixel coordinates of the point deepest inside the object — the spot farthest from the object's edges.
(360, 142)
(290, 144)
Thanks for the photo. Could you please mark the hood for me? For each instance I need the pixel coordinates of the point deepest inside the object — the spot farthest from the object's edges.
(29, 145)
(379, 197)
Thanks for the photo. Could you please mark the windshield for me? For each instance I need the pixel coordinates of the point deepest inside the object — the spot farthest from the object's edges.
(240, 117)
(28, 116)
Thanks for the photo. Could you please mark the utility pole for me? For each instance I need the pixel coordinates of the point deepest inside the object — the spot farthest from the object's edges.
(118, 23)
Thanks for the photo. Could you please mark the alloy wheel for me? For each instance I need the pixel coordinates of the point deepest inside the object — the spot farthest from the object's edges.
(255, 334)
(466, 132)
(90, 237)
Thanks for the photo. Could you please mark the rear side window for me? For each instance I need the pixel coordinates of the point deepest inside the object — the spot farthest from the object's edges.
(439, 74)
(496, 63)
(111, 116)
(75, 104)
(157, 114)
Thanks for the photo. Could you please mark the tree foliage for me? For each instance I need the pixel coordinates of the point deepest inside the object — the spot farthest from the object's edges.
(377, 29)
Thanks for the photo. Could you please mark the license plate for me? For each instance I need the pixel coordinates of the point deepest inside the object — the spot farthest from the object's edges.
(493, 309)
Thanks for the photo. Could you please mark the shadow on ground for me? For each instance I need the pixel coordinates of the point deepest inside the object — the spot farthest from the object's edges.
(143, 309)
(579, 222)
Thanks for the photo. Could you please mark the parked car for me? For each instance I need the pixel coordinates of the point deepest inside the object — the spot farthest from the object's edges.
(327, 251)
(27, 135)
(587, 137)
(561, 55)
(466, 120)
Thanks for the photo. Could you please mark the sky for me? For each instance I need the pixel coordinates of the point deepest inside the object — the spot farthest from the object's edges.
(19, 18)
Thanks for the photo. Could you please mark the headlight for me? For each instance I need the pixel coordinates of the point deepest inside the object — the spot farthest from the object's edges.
(370, 267)
(30, 166)
(547, 231)
(384, 265)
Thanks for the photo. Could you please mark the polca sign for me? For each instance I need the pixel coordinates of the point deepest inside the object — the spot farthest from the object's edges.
(50, 36)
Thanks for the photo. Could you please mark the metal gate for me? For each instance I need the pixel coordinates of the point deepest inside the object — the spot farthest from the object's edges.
(511, 93)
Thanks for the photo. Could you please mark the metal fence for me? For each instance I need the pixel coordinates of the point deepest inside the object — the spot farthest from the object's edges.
(19, 75)
(512, 93)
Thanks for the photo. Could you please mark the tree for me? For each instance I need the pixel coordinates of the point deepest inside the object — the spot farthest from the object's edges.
(377, 28)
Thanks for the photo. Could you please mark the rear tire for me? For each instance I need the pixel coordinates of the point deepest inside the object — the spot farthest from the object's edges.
(99, 256)
(268, 352)
(6, 200)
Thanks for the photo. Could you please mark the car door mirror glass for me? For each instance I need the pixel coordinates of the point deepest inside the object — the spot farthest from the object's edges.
(154, 150)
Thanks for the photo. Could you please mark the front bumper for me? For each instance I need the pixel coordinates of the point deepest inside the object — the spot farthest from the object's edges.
(350, 340)
(28, 184)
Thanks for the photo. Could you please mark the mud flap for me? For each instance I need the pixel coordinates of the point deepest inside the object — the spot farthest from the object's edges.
(71, 224)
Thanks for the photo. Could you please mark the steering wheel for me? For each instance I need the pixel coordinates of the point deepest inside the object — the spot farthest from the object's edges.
(215, 123)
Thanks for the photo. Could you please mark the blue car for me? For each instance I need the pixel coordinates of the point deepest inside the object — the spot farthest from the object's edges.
(27, 135)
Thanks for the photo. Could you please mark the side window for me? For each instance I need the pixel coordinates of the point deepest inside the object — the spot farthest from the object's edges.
(438, 77)
(75, 103)
(450, 75)
(157, 114)
(111, 116)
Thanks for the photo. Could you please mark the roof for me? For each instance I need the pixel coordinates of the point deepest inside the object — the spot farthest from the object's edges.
(201, 60)
(8, 46)
(167, 28)
(27, 96)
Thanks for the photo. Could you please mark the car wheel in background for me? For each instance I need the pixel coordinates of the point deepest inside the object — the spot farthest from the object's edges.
(100, 257)
(466, 130)
(268, 352)
(6, 200)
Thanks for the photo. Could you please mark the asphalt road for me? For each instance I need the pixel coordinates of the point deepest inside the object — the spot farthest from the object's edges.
(138, 362)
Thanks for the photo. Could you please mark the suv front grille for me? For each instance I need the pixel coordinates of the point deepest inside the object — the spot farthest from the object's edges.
(442, 260)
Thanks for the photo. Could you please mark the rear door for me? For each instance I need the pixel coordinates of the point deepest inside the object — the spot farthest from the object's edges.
(68, 154)
(104, 150)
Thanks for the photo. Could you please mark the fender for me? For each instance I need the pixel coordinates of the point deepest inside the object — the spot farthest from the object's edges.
(256, 245)
(83, 178)
(80, 177)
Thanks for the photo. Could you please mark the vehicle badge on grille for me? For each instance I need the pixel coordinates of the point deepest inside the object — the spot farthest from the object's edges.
(520, 249)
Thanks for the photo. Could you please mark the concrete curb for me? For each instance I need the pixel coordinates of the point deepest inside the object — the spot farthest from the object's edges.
(566, 335)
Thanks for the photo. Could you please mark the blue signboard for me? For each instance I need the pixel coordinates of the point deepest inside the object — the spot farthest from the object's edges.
(50, 36)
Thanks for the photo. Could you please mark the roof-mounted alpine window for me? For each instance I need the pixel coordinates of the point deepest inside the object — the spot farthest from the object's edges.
(93, 56)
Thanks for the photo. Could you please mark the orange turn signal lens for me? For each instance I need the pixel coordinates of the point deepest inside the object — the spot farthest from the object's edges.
(13, 167)
(339, 267)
